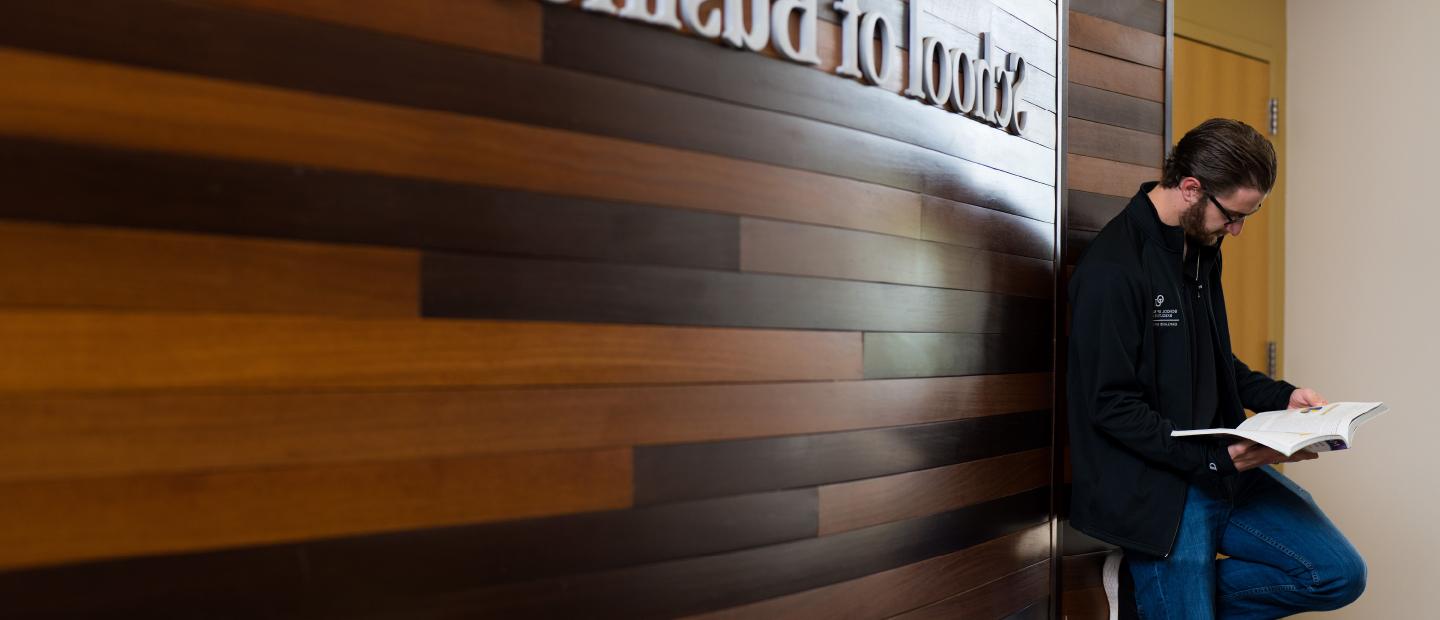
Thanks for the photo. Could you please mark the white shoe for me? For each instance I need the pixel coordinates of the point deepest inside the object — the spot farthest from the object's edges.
(1110, 579)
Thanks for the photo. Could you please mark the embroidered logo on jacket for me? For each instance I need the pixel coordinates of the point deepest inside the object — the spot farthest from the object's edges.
(1162, 316)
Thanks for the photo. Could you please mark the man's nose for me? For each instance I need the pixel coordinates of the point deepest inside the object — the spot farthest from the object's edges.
(1234, 228)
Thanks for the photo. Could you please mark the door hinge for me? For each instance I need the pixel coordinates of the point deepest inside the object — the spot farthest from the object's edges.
(1274, 117)
(1270, 359)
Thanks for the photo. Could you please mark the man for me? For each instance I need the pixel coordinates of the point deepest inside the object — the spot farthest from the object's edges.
(1150, 353)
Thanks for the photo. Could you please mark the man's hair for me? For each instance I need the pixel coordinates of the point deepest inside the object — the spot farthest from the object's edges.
(1224, 155)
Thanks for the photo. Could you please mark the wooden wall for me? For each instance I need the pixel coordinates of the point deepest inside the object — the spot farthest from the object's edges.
(500, 308)
(1114, 137)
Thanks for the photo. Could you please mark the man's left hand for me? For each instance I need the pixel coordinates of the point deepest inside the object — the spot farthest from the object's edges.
(1305, 397)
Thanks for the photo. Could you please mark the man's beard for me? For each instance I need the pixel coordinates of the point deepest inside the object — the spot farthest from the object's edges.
(1192, 221)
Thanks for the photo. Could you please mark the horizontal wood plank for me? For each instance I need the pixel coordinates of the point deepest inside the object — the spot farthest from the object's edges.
(887, 593)
(1114, 143)
(57, 266)
(892, 355)
(1115, 75)
(67, 520)
(493, 287)
(55, 182)
(689, 471)
(1103, 36)
(1004, 596)
(1103, 176)
(166, 432)
(80, 351)
(863, 503)
(145, 109)
(967, 225)
(1093, 211)
(1103, 106)
(1146, 15)
(768, 246)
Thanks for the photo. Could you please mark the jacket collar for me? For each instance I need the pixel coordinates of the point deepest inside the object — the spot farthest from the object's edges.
(1142, 213)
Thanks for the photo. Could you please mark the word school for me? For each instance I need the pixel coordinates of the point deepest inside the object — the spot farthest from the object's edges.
(944, 76)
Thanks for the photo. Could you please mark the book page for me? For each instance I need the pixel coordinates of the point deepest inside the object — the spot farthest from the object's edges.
(1331, 419)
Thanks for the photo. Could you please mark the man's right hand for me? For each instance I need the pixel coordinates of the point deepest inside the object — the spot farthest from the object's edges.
(1247, 454)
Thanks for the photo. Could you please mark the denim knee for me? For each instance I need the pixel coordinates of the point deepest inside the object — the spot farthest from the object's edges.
(1342, 581)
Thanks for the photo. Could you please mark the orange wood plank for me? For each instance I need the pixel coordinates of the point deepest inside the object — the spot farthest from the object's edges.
(58, 98)
(1103, 176)
(88, 267)
(1113, 74)
(509, 27)
(47, 522)
(113, 434)
(80, 351)
(863, 503)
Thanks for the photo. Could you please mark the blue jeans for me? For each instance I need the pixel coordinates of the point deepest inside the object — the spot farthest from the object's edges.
(1286, 557)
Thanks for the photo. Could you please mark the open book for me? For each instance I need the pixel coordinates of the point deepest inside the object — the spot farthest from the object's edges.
(1317, 429)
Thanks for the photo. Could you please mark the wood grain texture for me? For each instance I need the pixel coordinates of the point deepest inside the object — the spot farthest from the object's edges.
(1076, 242)
(486, 287)
(1093, 211)
(1114, 143)
(114, 434)
(1115, 75)
(511, 28)
(1102, 176)
(967, 225)
(1103, 106)
(768, 246)
(80, 351)
(1146, 15)
(863, 503)
(696, 585)
(55, 182)
(997, 599)
(47, 265)
(1106, 37)
(144, 109)
(892, 355)
(67, 520)
(688, 471)
(349, 575)
(898, 590)
(1011, 33)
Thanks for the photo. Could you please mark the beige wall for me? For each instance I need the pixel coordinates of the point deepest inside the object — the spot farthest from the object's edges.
(1360, 278)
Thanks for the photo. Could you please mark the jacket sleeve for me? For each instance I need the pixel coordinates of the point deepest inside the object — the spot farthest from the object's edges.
(1107, 324)
(1258, 392)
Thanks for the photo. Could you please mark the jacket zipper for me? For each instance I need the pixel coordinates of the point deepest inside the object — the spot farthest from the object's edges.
(1175, 531)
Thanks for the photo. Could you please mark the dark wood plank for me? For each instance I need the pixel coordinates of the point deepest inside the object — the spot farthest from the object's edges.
(726, 580)
(1039, 610)
(997, 599)
(1103, 106)
(1115, 75)
(689, 471)
(1112, 39)
(768, 246)
(1114, 143)
(863, 503)
(1104, 176)
(605, 46)
(129, 107)
(63, 266)
(474, 287)
(1146, 15)
(344, 575)
(1076, 241)
(340, 61)
(958, 223)
(89, 185)
(49, 522)
(55, 351)
(894, 591)
(891, 355)
(1092, 212)
(112, 434)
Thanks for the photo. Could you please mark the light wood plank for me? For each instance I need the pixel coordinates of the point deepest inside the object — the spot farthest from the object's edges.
(1115, 75)
(1118, 40)
(1102, 176)
(863, 503)
(89, 267)
(509, 27)
(126, 434)
(59, 521)
(80, 351)
(58, 98)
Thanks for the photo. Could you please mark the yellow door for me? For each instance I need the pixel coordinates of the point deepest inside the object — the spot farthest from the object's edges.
(1211, 82)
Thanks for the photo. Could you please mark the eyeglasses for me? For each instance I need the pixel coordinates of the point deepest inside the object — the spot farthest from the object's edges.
(1231, 217)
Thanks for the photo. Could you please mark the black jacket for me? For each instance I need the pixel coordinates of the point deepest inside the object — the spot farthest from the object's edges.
(1130, 381)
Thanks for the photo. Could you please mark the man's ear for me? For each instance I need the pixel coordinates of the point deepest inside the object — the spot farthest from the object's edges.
(1191, 189)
